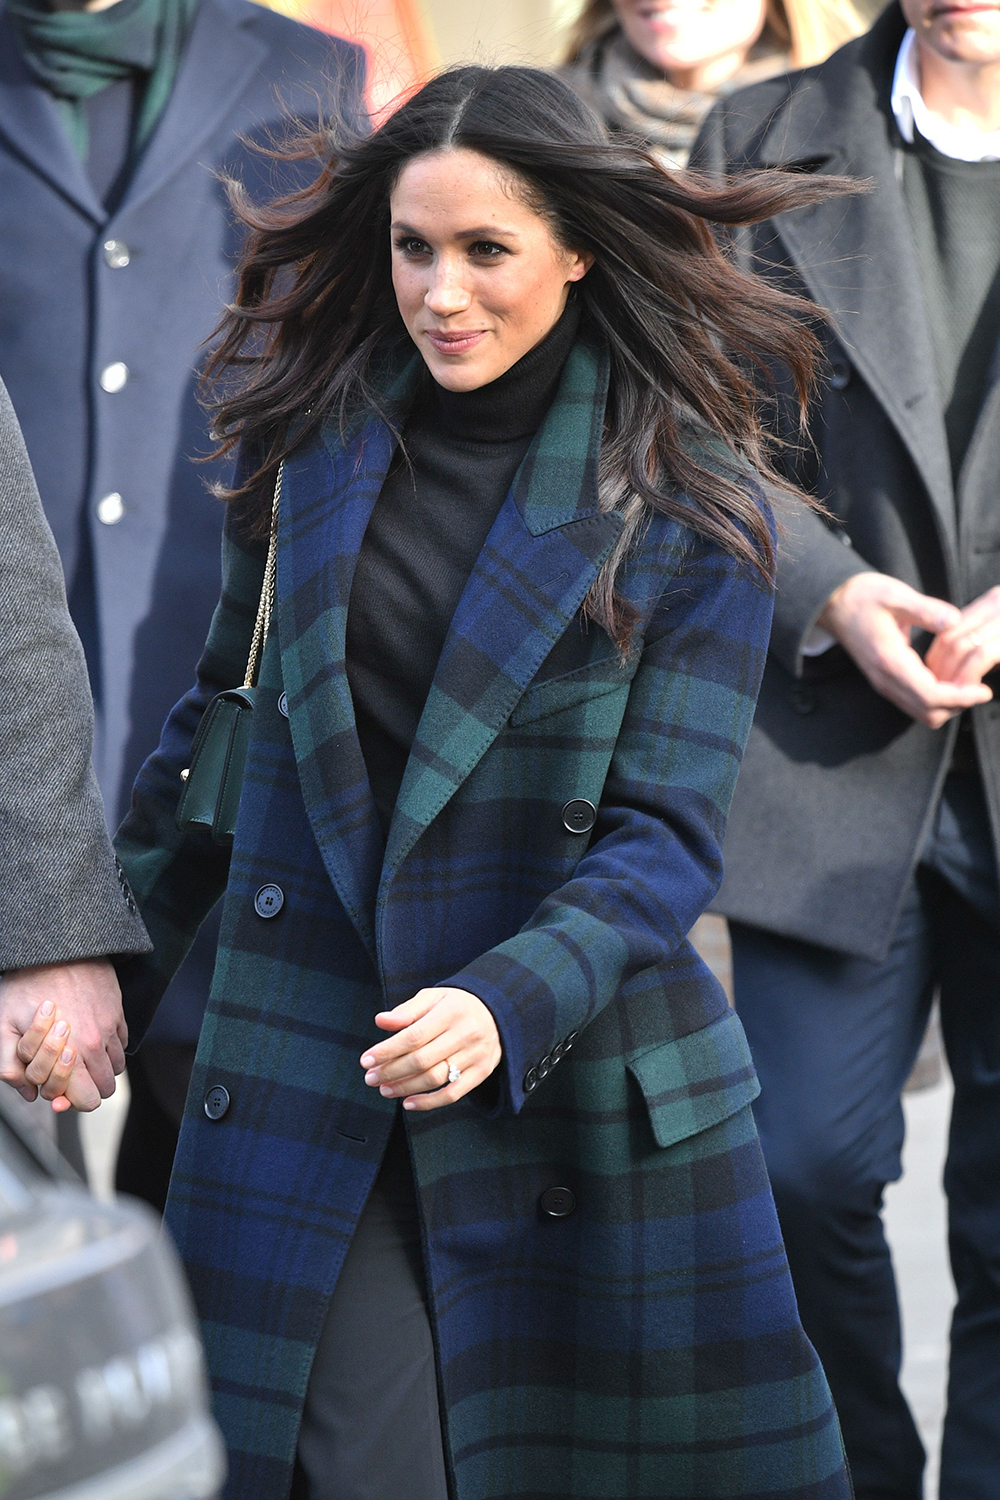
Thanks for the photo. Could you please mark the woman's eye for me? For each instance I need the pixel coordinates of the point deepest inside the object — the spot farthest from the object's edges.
(410, 245)
(487, 250)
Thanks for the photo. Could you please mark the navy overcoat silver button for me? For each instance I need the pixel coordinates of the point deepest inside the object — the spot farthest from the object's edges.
(530, 1080)
(269, 900)
(579, 816)
(216, 1102)
(283, 705)
(557, 1202)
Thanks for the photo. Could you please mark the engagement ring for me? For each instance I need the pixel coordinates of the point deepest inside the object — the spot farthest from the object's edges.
(454, 1074)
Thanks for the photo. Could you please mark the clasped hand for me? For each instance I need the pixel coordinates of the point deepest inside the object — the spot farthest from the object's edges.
(872, 616)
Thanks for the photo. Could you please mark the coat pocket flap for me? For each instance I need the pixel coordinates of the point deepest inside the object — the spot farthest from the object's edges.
(696, 1081)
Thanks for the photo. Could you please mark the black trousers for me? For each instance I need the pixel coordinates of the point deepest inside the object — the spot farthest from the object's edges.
(158, 1076)
(371, 1428)
(834, 1039)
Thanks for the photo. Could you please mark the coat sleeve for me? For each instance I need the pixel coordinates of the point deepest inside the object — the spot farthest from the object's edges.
(655, 861)
(178, 877)
(63, 898)
(812, 559)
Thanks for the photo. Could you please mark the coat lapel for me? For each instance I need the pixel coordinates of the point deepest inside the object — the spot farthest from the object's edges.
(326, 502)
(856, 255)
(221, 57)
(30, 121)
(539, 560)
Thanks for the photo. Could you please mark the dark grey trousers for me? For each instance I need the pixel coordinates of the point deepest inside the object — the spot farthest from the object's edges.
(371, 1428)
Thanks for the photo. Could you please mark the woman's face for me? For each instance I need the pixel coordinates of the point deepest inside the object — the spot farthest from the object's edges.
(677, 35)
(479, 277)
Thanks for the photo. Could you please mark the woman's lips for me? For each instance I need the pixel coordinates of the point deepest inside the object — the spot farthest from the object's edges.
(455, 343)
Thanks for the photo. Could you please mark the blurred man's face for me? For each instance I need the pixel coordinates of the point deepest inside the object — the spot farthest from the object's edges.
(962, 31)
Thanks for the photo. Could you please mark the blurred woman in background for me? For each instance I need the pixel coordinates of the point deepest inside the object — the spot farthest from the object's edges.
(656, 67)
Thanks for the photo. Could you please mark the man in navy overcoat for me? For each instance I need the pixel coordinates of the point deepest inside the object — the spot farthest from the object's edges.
(115, 259)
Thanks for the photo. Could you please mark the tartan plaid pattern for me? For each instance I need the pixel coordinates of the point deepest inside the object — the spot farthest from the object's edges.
(647, 1344)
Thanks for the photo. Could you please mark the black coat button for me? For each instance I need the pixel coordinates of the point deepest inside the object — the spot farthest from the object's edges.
(545, 1067)
(840, 374)
(216, 1102)
(567, 1044)
(269, 900)
(579, 816)
(530, 1080)
(283, 705)
(557, 1202)
(558, 1052)
(803, 700)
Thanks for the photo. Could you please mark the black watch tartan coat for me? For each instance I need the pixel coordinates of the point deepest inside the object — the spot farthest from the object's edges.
(646, 1343)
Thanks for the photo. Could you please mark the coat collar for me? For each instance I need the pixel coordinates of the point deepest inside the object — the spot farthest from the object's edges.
(856, 255)
(538, 562)
(221, 56)
(31, 123)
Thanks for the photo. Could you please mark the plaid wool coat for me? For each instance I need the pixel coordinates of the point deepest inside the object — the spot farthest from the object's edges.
(645, 1344)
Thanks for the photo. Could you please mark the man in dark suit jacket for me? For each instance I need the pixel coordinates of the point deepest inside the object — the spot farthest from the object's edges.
(117, 251)
(861, 858)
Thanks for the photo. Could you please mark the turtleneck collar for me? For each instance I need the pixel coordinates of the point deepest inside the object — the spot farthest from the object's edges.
(513, 406)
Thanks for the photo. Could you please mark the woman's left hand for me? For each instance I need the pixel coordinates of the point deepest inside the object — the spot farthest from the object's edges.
(438, 1030)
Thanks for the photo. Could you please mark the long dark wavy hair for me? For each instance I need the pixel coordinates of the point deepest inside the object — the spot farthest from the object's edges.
(315, 315)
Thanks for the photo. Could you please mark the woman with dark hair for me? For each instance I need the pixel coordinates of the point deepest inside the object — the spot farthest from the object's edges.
(656, 67)
(468, 1187)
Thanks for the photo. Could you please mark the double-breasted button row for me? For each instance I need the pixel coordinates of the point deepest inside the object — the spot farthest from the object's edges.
(269, 900)
(544, 1066)
(579, 815)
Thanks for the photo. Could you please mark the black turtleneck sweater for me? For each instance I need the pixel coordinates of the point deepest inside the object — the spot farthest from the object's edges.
(426, 531)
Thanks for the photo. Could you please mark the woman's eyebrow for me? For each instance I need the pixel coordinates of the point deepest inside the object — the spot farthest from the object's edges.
(484, 231)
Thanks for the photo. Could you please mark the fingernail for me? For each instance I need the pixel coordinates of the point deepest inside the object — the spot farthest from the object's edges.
(371, 1076)
(47, 1008)
(409, 1104)
(385, 1091)
(61, 1028)
(67, 1055)
(368, 1061)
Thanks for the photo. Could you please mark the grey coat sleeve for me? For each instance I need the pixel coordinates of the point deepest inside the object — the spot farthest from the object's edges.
(63, 895)
(813, 560)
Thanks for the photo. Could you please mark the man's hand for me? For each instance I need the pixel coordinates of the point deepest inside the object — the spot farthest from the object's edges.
(871, 615)
(439, 1029)
(970, 647)
(87, 998)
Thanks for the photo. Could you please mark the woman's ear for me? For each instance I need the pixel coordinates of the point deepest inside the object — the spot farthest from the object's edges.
(582, 262)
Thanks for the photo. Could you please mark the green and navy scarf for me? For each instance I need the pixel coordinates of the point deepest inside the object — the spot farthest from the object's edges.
(76, 53)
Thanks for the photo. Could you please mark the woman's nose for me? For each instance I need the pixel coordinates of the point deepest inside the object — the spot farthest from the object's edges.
(447, 294)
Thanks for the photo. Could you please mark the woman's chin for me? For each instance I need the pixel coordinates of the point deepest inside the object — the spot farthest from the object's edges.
(460, 373)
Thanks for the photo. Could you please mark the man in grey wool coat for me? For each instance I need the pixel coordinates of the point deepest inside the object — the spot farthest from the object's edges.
(861, 854)
(65, 905)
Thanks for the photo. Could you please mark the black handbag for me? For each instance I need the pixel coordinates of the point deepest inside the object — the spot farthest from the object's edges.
(214, 779)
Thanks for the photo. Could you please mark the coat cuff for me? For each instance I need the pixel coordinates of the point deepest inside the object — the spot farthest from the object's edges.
(527, 1059)
(813, 562)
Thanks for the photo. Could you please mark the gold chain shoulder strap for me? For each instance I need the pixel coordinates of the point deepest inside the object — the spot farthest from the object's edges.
(267, 587)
